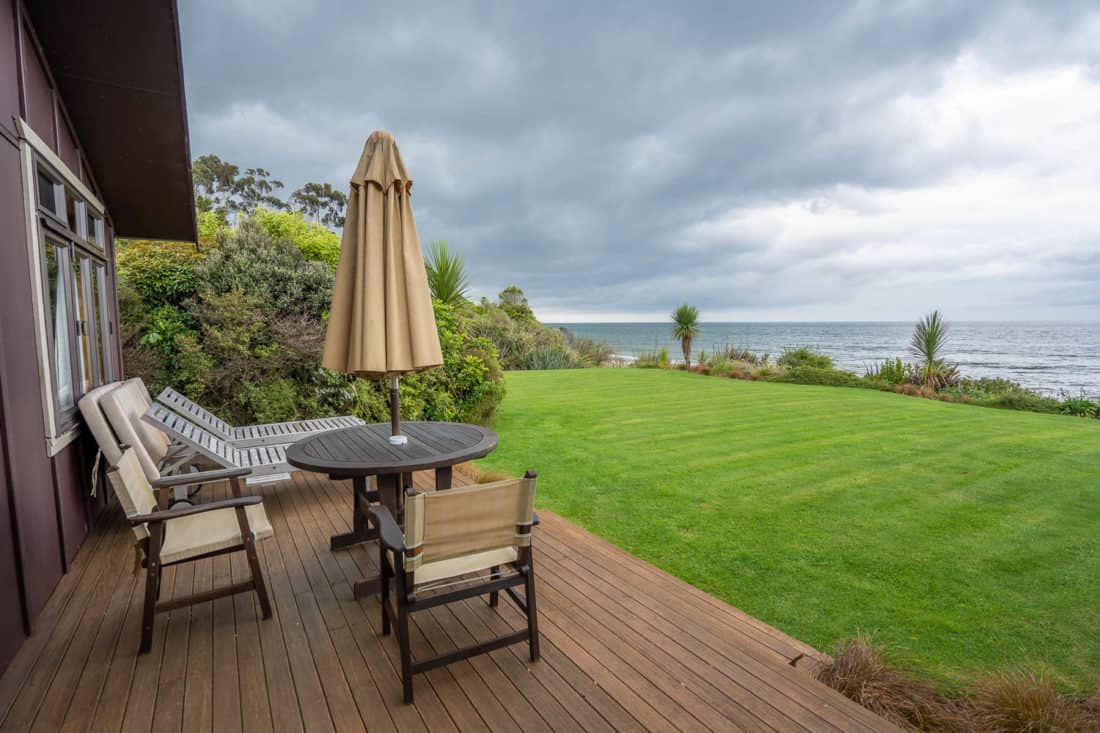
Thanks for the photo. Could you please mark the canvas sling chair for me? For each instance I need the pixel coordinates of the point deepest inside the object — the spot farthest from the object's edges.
(173, 536)
(247, 436)
(457, 544)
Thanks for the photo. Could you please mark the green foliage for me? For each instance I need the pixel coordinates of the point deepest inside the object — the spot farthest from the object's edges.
(719, 365)
(315, 241)
(166, 325)
(212, 224)
(270, 269)
(514, 303)
(159, 272)
(1079, 407)
(447, 277)
(524, 343)
(247, 341)
(818, 375)
(891, 372)
(804, 356)
(320, 202)
(551, 358)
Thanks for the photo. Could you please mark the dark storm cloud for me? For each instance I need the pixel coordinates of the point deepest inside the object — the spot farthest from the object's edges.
(758, 159)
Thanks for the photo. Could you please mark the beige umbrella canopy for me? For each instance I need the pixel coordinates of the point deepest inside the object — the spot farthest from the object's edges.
(381, 322)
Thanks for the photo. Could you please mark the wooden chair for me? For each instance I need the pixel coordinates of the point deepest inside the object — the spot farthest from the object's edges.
(448, 536)
(169, 537)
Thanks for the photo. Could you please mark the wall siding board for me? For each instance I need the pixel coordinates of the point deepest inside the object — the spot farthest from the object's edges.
(9, 69)
(39, 95)
(29, 466)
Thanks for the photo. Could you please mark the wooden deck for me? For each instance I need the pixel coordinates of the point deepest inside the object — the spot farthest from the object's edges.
(625, 647)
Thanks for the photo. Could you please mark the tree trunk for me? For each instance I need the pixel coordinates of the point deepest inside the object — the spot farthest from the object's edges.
(685, 344)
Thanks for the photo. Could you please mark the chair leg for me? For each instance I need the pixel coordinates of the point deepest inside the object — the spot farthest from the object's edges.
(257, 576)
(532, 613)
(403, 639)
(494, 596)
(384, 564)
(149, 609)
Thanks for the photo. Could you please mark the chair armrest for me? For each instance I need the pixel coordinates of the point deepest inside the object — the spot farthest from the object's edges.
(200, 477)
(167, 514)
(388, 532)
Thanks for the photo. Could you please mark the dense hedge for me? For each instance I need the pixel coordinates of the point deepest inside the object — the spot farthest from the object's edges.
(238, 325)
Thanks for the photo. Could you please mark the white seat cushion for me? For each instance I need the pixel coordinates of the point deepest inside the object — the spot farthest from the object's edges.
(199, 534)
(452, 567)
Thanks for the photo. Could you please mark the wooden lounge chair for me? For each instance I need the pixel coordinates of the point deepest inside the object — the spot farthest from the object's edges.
(248, 436)
(449, 535)
(266, 462)
(173, 536)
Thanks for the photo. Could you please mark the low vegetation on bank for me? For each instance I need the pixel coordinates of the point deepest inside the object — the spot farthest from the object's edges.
(926, 375)
(1018, 700)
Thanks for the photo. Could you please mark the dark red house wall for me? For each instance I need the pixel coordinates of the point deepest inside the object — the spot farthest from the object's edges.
(45, 510)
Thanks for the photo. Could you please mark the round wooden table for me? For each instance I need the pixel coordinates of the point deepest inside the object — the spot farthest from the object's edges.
(365, 450)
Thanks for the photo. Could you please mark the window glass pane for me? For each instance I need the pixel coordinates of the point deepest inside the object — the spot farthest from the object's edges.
(72, 211)
(59, 325)
(92, 233)
(46, 197)
(80, 265)
(96, 325)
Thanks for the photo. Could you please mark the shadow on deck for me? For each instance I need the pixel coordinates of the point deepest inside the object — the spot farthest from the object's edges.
(625, 646)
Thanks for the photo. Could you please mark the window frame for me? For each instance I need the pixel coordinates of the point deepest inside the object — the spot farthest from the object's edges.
(46, 228)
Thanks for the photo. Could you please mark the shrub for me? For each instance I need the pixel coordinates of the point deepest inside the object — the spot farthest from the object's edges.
(719, 365)
(736, 353)
(891, 372)
(647, 360)
(271, 269)
(1079, 406)
(313, 240)
(159, 272)
(248, 343)
(550, 357)
(804, 357)
(816, 375)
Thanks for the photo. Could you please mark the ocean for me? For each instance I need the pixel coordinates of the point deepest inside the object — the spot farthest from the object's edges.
(1047, 357)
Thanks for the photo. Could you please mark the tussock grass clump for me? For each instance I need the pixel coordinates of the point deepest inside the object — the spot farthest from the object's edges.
(860, 671)
(1016, 701)
(1028, 701)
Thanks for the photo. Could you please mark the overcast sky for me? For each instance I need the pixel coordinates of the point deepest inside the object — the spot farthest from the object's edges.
(764, 160)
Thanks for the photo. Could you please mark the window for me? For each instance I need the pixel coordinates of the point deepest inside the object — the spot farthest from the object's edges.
(67, 242)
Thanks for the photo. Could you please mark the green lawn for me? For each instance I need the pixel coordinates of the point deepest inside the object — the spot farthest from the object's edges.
(963, 537)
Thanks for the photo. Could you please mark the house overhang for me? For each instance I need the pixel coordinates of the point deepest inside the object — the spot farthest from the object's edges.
(118, 67)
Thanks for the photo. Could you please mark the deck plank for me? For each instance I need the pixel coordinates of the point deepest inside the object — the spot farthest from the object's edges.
(626, 647)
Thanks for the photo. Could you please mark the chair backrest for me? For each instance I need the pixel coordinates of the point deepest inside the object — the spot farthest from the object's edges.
(160, 418)
(468, 520)
(124, 407)
(97, 422)
(132, 489)
(196, 413)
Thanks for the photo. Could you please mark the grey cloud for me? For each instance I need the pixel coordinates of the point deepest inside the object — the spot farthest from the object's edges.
(576, 148)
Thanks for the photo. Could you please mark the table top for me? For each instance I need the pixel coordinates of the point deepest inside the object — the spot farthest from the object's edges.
(365, 450)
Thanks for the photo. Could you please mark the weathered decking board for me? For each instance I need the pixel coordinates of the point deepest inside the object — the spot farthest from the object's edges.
(625, 646)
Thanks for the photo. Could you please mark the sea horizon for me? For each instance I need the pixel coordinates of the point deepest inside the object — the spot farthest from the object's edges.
(1048, 356)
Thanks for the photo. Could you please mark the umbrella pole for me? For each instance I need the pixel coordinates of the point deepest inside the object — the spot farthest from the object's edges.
(396, 438)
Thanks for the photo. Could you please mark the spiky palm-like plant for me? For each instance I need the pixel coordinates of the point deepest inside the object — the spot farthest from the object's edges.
(446, 274)
(927, 345)
(685, 327)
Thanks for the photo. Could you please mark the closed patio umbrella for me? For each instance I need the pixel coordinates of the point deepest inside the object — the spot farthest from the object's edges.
(381, 323)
